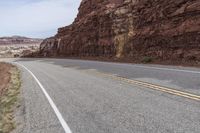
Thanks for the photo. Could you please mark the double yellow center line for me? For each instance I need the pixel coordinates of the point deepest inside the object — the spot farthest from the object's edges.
(153, 86)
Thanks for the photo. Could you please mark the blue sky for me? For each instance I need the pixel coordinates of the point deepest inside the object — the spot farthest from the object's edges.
(36, 18)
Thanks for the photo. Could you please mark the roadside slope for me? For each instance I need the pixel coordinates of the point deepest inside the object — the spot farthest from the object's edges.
(9, 91)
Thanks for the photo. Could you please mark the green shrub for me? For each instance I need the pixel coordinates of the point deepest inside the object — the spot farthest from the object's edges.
(147, 59)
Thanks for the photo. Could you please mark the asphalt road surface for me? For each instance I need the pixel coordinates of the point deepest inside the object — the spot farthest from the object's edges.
(63, 95)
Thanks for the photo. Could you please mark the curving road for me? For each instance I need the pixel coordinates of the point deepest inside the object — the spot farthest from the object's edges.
(102, 97)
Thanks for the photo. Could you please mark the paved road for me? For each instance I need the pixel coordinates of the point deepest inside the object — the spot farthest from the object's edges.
(92, 101)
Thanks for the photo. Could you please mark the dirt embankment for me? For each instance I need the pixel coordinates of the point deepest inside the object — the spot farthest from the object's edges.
(5, 76)
(9, 91)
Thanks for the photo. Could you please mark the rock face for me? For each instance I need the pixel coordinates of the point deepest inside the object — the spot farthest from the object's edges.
(161, 29)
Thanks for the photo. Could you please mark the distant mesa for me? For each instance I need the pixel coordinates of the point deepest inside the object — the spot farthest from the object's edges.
(18, 46)
(19, 40)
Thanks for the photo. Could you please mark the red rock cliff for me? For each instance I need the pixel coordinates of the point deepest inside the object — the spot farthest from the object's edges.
(161, 29)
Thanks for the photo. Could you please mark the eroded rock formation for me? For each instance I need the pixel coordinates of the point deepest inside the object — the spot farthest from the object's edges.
(17, 46)
(161, 29)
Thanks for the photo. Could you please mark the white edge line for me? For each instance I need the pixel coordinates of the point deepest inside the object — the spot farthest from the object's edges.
(57, 112)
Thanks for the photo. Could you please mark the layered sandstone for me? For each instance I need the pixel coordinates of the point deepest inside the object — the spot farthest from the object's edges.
(161, 29)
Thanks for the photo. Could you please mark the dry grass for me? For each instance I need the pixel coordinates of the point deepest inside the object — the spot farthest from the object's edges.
(9, 98)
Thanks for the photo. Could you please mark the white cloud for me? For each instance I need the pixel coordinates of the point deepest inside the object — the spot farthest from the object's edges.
(37, 19)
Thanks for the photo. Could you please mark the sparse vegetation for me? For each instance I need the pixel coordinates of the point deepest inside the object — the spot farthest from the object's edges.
(147, 59)
(8, 101)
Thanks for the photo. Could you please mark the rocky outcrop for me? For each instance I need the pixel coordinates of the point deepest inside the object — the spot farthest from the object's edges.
(160, 29)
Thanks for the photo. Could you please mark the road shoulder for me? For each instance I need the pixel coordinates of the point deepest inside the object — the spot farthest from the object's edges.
(35, 115)
(9, 96)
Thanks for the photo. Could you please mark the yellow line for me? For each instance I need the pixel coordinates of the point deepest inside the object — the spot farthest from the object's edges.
(154, 87)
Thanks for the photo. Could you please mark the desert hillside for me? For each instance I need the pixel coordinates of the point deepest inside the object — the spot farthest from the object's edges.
(18, 40)
(18, 46)
(145, 30)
